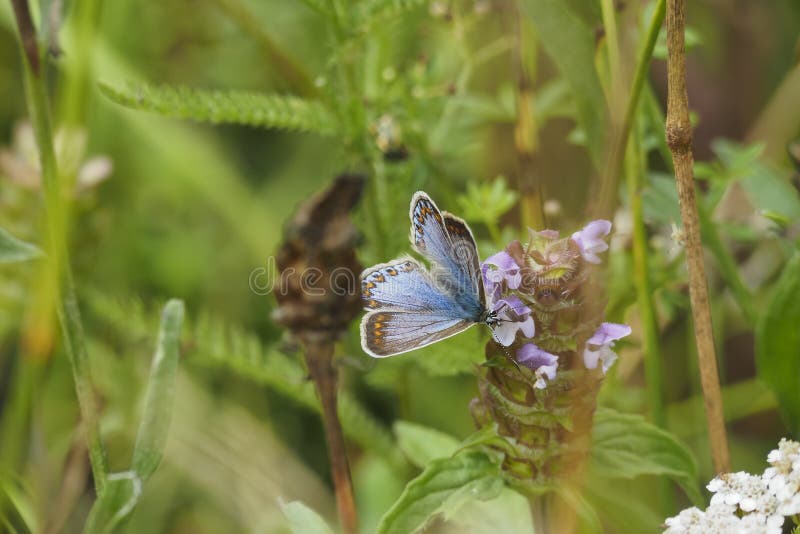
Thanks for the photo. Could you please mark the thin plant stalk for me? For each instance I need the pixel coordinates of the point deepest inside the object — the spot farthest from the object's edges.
(606, 198)
(67, 304)
(654, 377)
(319, 358)
(644, 290)
(679, 139)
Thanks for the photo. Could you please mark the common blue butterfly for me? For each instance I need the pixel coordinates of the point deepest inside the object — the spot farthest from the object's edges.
(410, 307)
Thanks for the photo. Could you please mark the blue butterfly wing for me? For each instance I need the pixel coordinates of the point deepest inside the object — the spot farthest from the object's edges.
(448, 243)
(403, 284)
(386, 333)
(407, 309)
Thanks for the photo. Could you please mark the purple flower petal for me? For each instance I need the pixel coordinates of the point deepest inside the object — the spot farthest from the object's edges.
(590, 239)
(514, 317)
(502, 260)
(501, 267)
(608, 333)
(541, 362)
(598, 347)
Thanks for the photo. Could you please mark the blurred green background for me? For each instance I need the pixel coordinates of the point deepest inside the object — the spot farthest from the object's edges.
(425, 95)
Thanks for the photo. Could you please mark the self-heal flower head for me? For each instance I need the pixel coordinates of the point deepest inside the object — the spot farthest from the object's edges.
(590, 239)
(498, 270)
(542, 363)
(598, 347)
(514, 317)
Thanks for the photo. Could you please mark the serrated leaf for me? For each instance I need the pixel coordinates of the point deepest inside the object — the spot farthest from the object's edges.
(153, 430)
(230, 107)
(13, 250)
(778, 343)
(113, 507)
(421, 444)
(570, 43)
(626, 446)
(442, 488)
(304, 520)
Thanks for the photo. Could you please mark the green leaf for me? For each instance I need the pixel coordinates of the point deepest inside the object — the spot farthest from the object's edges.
(13, 250)
(115, 504)
(570, 43)
(153, 430)
(626, 446)
(442, 488)
(231, 107)
(304, 520)
(422, 444)
(488, 201)
(778, 343)
(508, 512)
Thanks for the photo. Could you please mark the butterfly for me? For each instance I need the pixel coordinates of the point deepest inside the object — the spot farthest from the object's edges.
(409, 307)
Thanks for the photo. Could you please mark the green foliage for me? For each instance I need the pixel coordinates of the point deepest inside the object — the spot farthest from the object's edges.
(570, 42)
(626, 446)
(241, 352)
(304, 520)
(373, 12)
(114, 506)
(154, 427)
(13, 250)
(778, 344)
(443, 487)
(486, 202)
(122, 491)
(228, 107)
(421, 444)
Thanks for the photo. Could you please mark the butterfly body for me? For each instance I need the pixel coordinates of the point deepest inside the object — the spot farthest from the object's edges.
(409, 306)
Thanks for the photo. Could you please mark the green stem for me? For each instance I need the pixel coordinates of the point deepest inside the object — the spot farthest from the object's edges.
(654, 383)
(727, 267)
(607, 196)
(295, 79)
(644, 289)
(67, 306)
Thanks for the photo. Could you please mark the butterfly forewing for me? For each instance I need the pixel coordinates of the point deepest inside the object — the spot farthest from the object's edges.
(454, 256)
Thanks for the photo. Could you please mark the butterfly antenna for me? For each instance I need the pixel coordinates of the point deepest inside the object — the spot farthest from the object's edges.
(505, 351)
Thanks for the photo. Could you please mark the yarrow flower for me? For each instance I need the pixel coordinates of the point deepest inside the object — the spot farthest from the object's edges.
(542, 363)
(598, 347)
(590, 239)
(748, 504)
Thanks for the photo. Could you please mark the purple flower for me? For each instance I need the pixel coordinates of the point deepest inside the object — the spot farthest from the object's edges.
(598, 347)
(542, 363)
(498, 269)
(514, 316)
(590, 239)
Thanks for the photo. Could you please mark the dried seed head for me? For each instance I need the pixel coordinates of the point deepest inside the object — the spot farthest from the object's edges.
(318, 290)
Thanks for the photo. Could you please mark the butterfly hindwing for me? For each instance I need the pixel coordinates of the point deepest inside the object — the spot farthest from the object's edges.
(466, 249)
(386, 333)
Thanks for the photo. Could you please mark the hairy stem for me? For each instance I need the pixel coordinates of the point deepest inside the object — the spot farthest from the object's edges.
(67, 304)
(319, 359)
(679, 138)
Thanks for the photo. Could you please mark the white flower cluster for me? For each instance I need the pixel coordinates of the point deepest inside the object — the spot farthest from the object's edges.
(748, 504)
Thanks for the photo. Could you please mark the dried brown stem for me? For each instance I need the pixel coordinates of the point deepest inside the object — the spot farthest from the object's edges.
(679, 138)
(27, 33)
(319, 358)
